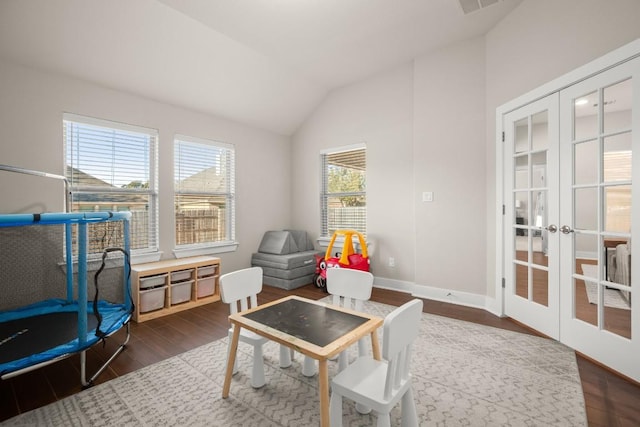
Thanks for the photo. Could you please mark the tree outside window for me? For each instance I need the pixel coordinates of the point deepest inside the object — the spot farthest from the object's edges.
(343, 198)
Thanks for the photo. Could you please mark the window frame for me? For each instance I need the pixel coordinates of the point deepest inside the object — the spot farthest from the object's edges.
(324, 190)
(151, 251)
(229, 244)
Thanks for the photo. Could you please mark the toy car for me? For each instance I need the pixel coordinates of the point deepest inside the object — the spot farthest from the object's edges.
(348, 258)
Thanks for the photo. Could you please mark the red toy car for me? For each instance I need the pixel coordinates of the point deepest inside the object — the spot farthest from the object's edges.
(348, 258)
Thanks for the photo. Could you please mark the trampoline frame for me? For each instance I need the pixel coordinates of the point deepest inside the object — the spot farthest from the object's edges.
(81, 220)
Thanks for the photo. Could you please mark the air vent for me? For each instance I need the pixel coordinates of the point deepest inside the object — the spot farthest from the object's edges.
(469, 6)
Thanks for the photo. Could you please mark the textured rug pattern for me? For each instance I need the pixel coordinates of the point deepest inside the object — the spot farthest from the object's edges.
(464, 375)
(612, 297)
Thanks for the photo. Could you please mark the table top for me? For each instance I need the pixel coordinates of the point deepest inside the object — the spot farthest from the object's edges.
(314, 328)
(317, 324)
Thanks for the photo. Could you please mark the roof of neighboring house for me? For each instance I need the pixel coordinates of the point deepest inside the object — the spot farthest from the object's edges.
(206, 180)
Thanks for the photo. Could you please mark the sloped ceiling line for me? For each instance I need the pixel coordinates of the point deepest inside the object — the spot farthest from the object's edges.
(264, 63)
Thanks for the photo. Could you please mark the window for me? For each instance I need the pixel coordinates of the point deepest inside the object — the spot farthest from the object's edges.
(344, 182)
(112, 167)
(204, 176)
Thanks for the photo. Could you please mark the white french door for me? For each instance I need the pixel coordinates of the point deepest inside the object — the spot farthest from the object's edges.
(600, 158)
(531, 214)
(568, 177)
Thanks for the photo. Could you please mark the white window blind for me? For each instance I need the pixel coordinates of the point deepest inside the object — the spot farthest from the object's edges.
(112, 167)
(343, 199)
(204, 192)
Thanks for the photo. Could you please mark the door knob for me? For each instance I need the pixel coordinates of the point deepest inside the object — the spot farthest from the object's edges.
(552, 228)
(566, 229)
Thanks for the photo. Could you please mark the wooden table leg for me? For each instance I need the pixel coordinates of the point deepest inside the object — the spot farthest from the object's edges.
(375, 344)
(231, 360)
(323, 381)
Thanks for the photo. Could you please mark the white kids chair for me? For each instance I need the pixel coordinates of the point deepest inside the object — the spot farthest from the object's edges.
(380, 385)
(350, 289)
(239, 289)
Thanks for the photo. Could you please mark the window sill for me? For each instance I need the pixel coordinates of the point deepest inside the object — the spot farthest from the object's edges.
(205, 250)
(112, 261)
(323, 242)
(146, 257)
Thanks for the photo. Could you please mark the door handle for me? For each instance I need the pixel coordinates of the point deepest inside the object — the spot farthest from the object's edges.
(552, 228)
(566, 229)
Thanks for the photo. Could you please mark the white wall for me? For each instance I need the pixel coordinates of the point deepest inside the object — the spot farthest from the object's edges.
(448, 159)
(31, 107)
(453, 95)
(539, 41)
(377, 112)
(423, 124)
(428, 125)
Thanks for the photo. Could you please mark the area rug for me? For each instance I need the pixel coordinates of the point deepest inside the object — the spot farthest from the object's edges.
(612, 297)
(464, 375)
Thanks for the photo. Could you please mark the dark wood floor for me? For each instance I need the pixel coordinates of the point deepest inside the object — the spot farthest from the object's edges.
(611, 401)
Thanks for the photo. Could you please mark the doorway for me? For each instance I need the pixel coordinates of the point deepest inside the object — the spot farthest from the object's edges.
(531, 251)
(567, 172)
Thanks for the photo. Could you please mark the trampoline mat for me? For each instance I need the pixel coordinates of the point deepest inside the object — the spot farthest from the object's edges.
(31, 335)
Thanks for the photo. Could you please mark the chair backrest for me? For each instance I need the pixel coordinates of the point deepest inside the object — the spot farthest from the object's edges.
(241, 287)
(400, 329)
(349, 286)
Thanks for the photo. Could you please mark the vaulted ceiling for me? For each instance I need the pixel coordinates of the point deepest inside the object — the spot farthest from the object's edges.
(265, 63)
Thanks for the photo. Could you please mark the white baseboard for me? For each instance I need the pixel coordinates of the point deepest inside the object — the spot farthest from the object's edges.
(394, 285)
(439, 294)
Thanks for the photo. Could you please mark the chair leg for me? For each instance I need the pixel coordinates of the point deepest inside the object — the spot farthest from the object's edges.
(335, 410)
(235, 364)
(257, 372)
(384, 420)
(362, 348)
(343, 361)
(408, 408)
(362, 409)
(309, 367)
(285, 356)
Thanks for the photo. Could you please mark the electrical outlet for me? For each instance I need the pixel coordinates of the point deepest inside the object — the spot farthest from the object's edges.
(392, 262)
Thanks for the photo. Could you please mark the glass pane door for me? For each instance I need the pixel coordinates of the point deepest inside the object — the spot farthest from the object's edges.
(597, 145)
(531, 182)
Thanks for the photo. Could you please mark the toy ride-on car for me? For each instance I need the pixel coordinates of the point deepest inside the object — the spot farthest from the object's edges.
(348, 258)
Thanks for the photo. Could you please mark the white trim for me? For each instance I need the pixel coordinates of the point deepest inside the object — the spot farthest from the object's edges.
(185, 252)
(143, 257)
(71, 117)
(492, 306)
(344, 148)
(499, 290)
(204, 141)
(394, 285)
(587, 255)
(450, 296)
(323, 243)
(616, 57)
(597, 66)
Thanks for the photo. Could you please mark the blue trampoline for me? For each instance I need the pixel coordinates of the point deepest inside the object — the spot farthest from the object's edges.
(47, 331)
